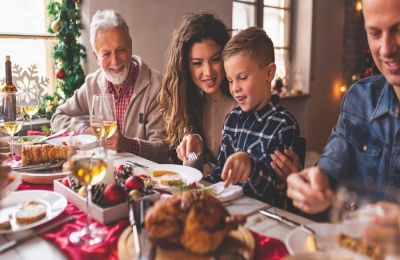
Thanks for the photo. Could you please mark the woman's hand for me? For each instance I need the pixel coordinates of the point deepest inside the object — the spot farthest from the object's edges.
(191, 143)
(284, 164)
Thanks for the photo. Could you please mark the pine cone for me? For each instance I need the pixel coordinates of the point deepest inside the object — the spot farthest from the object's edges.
(124, 173)
(74, 183)
(98, 195)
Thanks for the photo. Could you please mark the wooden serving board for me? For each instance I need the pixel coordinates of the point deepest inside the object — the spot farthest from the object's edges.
(239, 240)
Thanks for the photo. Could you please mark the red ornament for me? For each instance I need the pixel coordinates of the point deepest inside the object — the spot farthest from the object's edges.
(60, 73)
(119, 169)
(114, 194)
(65, 182)
(134, 183)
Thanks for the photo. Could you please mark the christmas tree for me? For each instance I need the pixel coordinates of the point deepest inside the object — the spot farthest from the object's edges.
(67, 54)
(368, 67)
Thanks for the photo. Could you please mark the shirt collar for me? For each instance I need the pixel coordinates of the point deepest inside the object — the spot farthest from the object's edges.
(386, 103)
(267, 110)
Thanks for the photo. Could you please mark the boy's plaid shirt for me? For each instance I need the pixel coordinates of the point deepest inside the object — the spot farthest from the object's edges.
(259, 134)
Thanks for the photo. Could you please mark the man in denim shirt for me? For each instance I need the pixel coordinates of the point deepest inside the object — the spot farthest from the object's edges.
(365, 144)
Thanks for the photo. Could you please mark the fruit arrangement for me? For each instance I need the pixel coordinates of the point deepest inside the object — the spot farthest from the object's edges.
(126, 185)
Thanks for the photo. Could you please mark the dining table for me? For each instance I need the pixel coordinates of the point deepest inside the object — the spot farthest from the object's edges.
(47, 246)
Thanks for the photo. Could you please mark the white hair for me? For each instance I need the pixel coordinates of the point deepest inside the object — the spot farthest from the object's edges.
(104, 20)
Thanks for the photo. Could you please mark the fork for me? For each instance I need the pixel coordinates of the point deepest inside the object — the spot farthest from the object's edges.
(192, 156)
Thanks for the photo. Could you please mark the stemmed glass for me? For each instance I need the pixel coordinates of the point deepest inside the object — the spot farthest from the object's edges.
(103, 117)
(11, 119)
(89, 167)
(29, 104)
(355, 207)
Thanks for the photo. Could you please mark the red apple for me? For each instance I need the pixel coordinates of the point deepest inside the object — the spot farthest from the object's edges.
(114, 194)
(65, 182)
(134, 183)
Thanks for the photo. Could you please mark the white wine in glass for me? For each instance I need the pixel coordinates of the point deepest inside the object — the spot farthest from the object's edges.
(89, 167)
(29, 104)
(103, 117)
(11, 120)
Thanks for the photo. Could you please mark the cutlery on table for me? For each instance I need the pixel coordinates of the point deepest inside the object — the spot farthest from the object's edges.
(192, 156)
(311, 239)
(12, 243)
(57, 134)
(135, 232)
(52, 164)
(137, 164)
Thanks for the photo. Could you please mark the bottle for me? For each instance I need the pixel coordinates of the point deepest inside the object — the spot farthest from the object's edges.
(9, 93)
(8, 86)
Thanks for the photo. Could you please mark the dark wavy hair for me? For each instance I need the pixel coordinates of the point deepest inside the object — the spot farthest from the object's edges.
(180, 99)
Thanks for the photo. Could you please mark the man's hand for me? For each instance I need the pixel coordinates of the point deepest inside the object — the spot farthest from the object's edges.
(191, 143)
(119, 143)
(310, 190)
(284, 164)
(385, 230)
(237, 168)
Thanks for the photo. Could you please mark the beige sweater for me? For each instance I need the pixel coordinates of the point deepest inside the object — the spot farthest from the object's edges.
(214, 113)
(150, 133)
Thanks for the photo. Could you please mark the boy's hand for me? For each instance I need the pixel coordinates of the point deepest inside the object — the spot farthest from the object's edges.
(190, 143)
(237, 168)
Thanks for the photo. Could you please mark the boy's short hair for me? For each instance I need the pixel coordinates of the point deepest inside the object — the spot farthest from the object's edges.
(253, 41)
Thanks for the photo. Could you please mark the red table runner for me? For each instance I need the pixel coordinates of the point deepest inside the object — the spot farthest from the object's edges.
(266, 248)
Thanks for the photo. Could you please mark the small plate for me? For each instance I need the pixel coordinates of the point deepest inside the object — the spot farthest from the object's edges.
(187, 174)
(55, 202)
(83, 142)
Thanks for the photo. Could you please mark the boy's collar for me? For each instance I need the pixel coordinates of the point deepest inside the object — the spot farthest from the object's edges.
(266, 110)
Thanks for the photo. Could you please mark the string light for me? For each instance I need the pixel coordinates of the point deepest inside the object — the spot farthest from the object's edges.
(343, 89)
(358, 6)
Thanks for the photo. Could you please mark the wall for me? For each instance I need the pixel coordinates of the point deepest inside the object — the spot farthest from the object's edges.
(151, 23)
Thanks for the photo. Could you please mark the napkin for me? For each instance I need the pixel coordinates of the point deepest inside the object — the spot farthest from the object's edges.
(229, 193)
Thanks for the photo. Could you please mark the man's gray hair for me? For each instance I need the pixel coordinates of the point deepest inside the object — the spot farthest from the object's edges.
(104, 20)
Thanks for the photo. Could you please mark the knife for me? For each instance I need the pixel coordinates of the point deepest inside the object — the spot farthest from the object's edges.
(287, 221)
(135, 232)
(12, 243)
(137, 164)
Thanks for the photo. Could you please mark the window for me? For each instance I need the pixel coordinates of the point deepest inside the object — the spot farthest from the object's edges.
(24, 36)
(274, 17)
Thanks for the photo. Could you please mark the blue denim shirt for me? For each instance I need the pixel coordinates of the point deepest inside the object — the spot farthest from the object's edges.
(365, 143)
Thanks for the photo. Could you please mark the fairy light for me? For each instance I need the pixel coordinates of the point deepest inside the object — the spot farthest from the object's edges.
(343, 89)
(358, 6)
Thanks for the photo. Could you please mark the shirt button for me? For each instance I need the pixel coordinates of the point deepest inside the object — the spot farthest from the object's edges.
(365, 148)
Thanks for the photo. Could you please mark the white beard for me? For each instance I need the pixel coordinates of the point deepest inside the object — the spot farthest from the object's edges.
(116, 79)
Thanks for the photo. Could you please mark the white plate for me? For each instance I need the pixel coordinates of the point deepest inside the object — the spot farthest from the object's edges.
(326, 238)
(82, 141)
(55, 202)
(188, 174)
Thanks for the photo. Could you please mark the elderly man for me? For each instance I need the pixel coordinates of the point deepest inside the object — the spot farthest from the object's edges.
(364, 146)
(132, 83)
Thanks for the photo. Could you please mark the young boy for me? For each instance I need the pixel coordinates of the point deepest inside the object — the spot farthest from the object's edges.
(260, 125)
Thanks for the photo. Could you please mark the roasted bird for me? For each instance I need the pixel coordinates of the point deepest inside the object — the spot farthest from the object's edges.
(195, 220)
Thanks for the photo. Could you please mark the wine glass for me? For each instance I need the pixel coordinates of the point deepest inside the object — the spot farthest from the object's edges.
(354, 208)
(89, 167)
(29, 104)
(11, 119)
(103, 117)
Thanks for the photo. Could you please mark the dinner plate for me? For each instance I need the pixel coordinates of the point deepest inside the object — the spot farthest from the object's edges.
(55, 202)
(81, 141)
(187, 174)
(326, 238)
